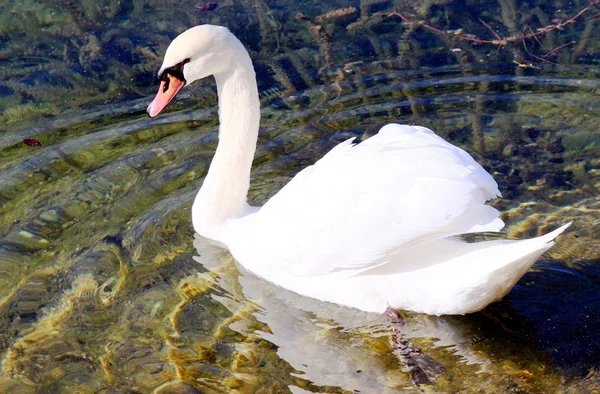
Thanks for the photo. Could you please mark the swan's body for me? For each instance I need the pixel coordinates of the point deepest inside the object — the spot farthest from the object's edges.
(370, 225)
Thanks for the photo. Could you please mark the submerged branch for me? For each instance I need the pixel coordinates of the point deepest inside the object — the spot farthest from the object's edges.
(504, 41)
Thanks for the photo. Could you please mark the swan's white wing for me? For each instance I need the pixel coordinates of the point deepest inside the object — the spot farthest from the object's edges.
(360, 203)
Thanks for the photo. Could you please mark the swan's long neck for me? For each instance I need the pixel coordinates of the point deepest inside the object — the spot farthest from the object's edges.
(224, 192)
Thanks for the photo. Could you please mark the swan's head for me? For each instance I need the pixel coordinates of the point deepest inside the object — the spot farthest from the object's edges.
(194, 54)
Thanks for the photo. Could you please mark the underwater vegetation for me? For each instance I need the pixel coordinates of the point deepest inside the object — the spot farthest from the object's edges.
(81, 53)
(102, 288)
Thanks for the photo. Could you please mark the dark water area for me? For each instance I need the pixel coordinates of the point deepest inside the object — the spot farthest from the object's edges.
(104, 287)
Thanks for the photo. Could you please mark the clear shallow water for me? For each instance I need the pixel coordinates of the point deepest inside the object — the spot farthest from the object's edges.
(102, 285)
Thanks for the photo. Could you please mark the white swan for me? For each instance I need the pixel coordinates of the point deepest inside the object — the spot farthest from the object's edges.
(370, 225)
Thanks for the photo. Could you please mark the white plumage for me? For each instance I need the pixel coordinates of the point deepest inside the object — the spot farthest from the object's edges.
(360, 204)
(370, 225)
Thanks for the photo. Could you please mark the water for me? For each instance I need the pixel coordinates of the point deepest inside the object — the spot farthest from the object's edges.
(103, 287)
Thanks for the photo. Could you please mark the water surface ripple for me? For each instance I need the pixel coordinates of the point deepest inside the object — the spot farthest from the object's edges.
(103, 287)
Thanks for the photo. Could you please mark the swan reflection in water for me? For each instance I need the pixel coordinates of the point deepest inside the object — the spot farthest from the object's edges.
(329, 344)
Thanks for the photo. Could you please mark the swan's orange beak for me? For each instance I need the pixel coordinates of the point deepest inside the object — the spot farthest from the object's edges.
(169, 87)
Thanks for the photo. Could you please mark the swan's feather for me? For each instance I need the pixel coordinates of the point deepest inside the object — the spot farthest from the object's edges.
(360, 203)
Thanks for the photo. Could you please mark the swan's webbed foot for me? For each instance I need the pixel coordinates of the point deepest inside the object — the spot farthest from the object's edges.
(422, 368)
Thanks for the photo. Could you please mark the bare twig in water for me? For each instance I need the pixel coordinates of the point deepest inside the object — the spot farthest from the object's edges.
(558, 48)
(501, 42)
(504, 41)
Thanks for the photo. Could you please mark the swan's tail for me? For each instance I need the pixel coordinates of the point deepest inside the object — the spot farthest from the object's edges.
(450, 276)
(501, 264)
(515, 250)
